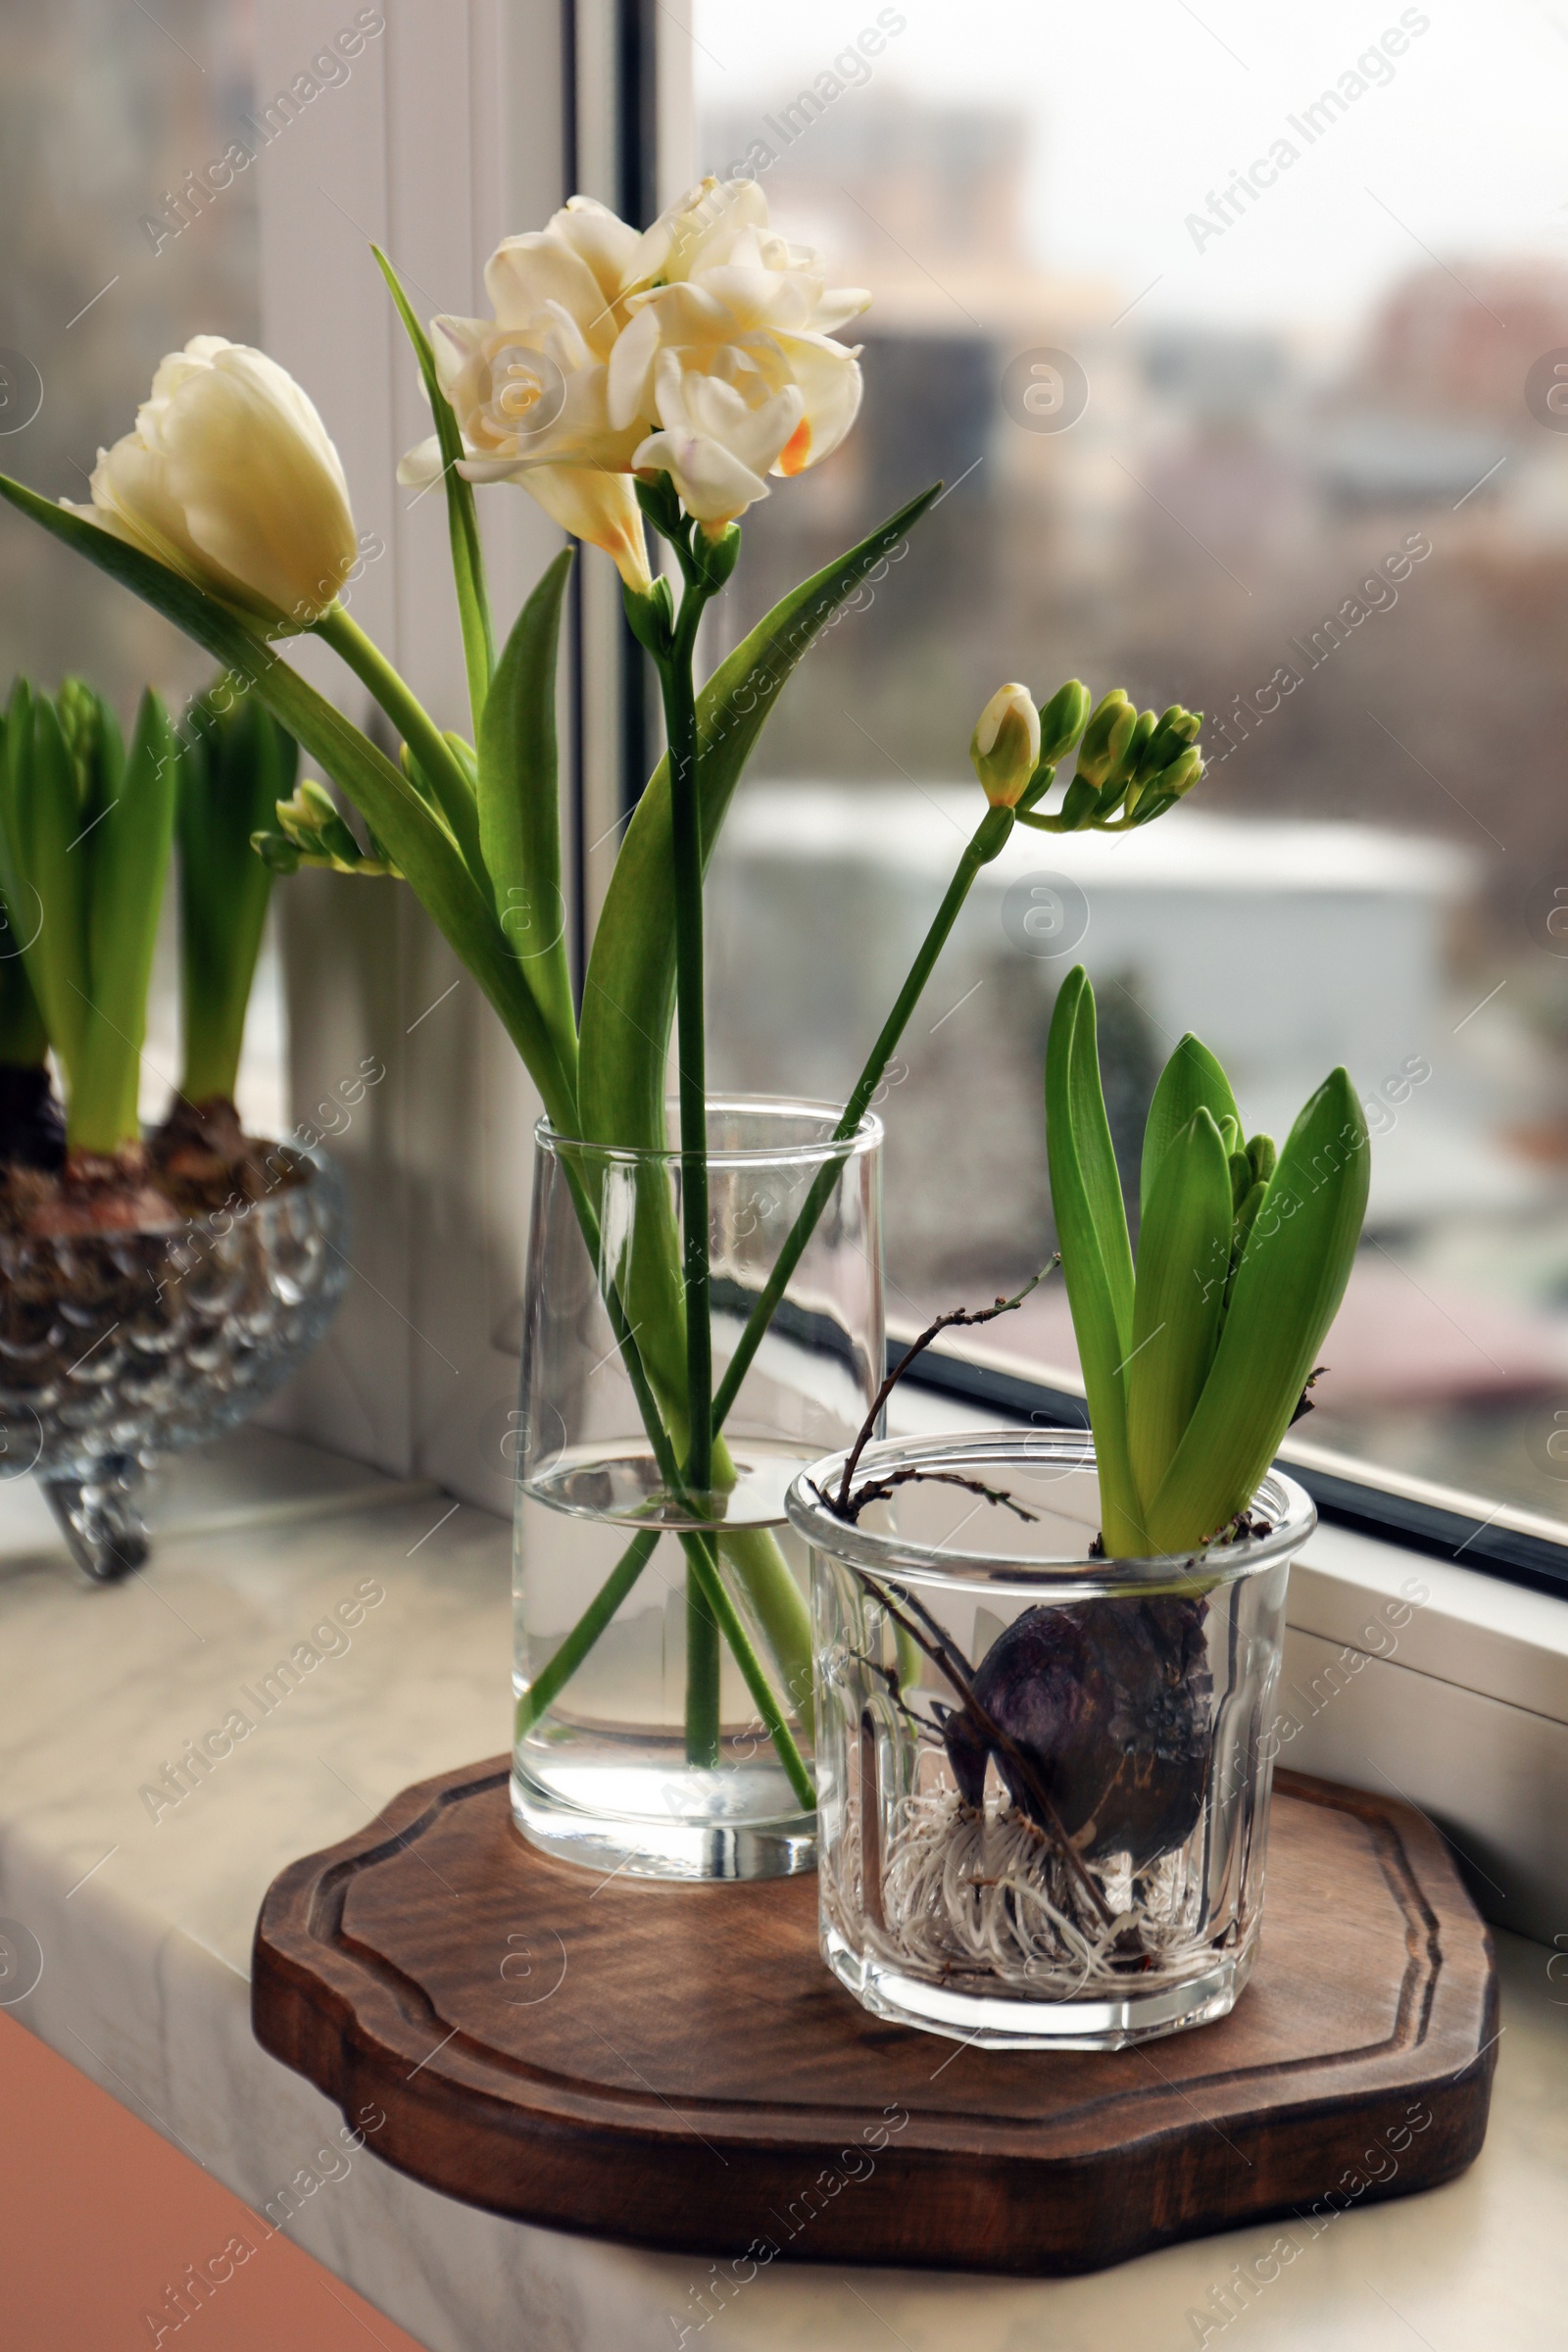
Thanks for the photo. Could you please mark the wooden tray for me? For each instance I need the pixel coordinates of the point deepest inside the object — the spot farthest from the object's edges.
(675, 2067)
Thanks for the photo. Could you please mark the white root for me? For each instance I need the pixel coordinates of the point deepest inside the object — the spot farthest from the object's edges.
(982, 1896)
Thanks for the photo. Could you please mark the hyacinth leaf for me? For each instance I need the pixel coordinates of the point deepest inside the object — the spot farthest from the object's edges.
(45, 886)
(1183, 1253)
(236, 765)
(463, 519)
(23, 1039)
(128, 852)
(520, 817)
(1190, 1080)
(1285, 1294)
(1096, 1256)
(412, 835)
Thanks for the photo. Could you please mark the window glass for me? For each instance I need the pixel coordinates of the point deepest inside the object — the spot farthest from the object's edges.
(1241, 342)
(130, 227)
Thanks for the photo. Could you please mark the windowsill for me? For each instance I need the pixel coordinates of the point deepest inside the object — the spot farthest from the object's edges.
(145, 1926)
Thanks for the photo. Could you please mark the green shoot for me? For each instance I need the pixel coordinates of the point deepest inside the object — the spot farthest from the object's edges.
(1195, 1362)
(84, 842)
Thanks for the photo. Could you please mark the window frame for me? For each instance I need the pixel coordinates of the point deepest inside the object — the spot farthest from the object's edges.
(1437, 1521)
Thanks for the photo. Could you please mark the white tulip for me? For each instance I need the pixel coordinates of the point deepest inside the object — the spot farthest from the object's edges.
(528, 388)
(231, 479)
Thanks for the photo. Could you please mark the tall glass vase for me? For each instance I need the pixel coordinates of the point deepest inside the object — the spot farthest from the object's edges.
(662, 1653)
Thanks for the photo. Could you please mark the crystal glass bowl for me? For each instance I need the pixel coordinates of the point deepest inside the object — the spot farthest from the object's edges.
(118, 1347)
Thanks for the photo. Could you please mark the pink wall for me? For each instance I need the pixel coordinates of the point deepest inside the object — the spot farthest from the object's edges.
(99, 2217)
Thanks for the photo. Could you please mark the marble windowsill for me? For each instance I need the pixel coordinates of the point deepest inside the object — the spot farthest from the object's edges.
(144, 1929)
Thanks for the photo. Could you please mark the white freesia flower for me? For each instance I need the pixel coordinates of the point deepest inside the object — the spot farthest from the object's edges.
(729, 333)
(231, 479)
(529, 387)
(713, 443)
(701, 349)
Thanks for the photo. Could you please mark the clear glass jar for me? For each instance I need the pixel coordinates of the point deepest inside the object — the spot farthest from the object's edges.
(641, 1743)
(1044, 1778)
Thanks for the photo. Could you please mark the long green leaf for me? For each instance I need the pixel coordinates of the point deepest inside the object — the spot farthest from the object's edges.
(629, 997)
(1190, 1080)
(463, 519)
(1287, 1293)
(1099, 1289)
(412, 835)
(1184, 1248)
(519, 813)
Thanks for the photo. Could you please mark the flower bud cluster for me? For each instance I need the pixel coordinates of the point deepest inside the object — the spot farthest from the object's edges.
(1131, 767)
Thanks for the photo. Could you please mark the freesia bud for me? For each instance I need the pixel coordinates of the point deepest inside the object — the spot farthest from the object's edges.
(1107, 737)
(231, 479)
(1177, 729)
(1183, 773)
(1005, 744)
(1063, 720)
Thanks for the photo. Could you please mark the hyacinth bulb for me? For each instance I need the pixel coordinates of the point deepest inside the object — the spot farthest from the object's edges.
(1109, 1702)
(32, 1125)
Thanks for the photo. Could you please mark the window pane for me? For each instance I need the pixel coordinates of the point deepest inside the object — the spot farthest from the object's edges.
(115, 123)
(1246, 397)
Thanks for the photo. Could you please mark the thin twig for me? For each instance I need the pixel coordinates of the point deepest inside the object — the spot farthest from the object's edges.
(956, 1316)
(878, 1491)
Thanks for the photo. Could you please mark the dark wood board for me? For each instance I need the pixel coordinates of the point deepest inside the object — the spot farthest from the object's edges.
(674, 2067)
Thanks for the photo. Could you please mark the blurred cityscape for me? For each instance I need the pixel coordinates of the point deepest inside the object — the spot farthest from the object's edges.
(1353, 553)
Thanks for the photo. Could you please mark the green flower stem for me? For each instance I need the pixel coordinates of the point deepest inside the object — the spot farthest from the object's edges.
(547, 1687)
(779, 1607)
(436, 760)
(680, 727)
(990, 838)
(752, 1553)
(702, 1570)
(704, 1660)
